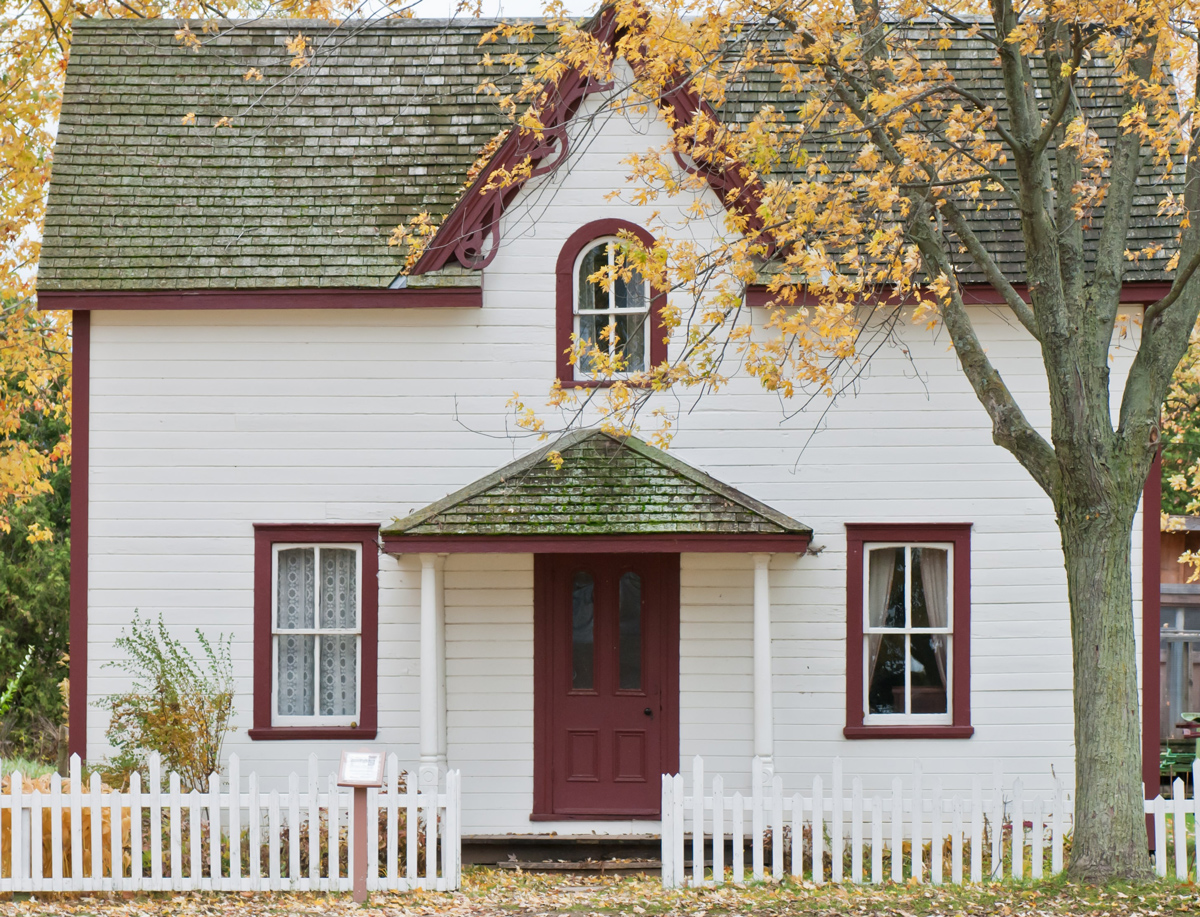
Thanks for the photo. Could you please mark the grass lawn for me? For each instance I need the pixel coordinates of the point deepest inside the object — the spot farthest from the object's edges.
(495, 892)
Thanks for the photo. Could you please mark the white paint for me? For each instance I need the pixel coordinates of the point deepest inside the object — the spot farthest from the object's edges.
(206, 423)
(433, 664)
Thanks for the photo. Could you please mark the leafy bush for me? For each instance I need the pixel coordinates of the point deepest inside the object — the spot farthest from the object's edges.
(176, 706)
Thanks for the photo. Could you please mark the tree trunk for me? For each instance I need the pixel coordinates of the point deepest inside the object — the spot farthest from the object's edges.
(1110, 829)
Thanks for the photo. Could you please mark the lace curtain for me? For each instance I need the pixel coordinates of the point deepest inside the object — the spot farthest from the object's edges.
(327, 603)
(880, 572)
(295, 602)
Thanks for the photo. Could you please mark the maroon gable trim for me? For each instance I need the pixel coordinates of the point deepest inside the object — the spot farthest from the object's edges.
(959, 533)
(1141, 293)
(81, 384)
(267, 534)
(711, 543)
(275, 298)
(565, 299)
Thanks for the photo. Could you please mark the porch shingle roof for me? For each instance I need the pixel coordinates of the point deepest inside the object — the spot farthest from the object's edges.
(607, 485)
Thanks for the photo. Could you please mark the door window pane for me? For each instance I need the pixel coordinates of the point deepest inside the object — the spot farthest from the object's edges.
(630, 651)
(583, 626)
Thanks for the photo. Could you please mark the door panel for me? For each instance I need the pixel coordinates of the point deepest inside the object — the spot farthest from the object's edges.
(606, 683)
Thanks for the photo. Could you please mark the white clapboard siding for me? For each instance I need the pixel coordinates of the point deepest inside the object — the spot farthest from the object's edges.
(918, 812)
(82, 861)
(205, 422)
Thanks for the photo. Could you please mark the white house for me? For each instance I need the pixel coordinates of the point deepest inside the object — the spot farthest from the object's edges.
(280, 438)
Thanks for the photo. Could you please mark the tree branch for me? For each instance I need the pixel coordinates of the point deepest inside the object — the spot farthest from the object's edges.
(1181, 279)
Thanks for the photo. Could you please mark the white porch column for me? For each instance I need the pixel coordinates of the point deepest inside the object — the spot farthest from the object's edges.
(764, 725)
(433, 664)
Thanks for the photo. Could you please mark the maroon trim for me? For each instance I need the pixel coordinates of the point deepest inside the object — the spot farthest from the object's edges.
(81, 385)
(958, 533)
(543, 648)
(465, 233)
(1151, 641)
(715, 543)
(565, 298)
(1140, 293)
(275, 298)
(267, 534)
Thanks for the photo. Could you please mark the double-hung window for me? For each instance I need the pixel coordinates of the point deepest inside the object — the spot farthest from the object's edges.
(908, 630)
(315, 631)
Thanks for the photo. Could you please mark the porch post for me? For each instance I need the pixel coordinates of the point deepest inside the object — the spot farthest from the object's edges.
(764, 732)
(432, 746)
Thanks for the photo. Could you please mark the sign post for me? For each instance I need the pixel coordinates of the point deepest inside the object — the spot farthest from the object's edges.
(360, 770)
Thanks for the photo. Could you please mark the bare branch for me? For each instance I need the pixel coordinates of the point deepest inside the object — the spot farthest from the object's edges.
(1181, 280)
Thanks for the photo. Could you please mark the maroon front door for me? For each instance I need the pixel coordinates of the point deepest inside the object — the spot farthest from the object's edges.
(606, 683)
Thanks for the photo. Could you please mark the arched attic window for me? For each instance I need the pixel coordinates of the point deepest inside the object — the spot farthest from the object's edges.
(586, 308)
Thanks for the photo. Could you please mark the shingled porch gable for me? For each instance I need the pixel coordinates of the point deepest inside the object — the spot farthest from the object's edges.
(610, 493)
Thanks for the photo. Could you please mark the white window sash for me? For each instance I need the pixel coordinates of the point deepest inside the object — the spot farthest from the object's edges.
(612, 312)
(316, 719)
(909, 719)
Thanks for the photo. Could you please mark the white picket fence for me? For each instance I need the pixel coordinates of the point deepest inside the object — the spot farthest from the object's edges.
(171, 841)
(810, 832)
(1171, 843)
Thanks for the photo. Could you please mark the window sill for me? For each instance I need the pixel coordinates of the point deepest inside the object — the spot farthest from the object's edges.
(908, 732)
(599, 383)
(284, 733)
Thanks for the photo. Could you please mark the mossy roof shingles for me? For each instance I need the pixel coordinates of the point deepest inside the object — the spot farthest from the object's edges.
(605, 486)
(321, 163)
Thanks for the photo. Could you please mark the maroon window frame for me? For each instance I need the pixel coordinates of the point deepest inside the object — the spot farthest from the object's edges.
(565, 299)
(956, 533)
(267, 535)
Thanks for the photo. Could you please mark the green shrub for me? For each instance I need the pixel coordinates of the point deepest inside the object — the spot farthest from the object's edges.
(176, 705)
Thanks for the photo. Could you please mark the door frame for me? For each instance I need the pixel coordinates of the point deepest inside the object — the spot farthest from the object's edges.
(666, 595)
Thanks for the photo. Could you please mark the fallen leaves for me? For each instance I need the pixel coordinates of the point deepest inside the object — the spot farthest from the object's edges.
(487, 892)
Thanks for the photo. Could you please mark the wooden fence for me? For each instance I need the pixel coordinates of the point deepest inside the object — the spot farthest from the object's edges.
(1170, 842)
(236, 837)
(929, 837)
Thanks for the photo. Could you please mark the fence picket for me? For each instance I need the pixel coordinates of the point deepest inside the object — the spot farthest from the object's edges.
(667, 833)
(738, 866)
(856, 813)
(797, 836)
(97, 828)
(17, 843)
(76, 778)
(976, 829)
(214, 832)
(314, 828)
(173, 804)
(410, 849)
(116, 840)
(997, 826)
(235, 824)
(335, 837)
(273, 835)
(155, 789)
(776, 827)
(393, 771)
(373, 838)
(1018, 830)
(897, 831)
(253, 833)
(56, 840)
(818, 831)
(677, 828)
(756, 818)
(876, 840)
(956, 849)
(195, 816)
(1056, 838)
(838, 818)
(1179, 824)
(1036, 835)
(718, 830)
(1160, 836)
(936, 835)
(293, 823)
(36, 869)
(918, 817)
